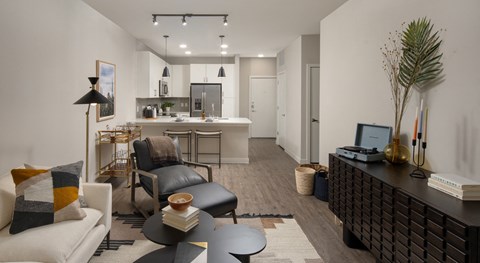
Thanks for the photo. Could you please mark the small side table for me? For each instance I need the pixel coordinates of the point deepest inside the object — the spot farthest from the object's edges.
(228, 244)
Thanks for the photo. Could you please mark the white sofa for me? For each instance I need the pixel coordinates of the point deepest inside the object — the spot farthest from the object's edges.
(67, 241)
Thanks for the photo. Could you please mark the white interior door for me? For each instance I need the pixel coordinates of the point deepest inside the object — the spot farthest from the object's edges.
(314, 113)
(281, 109)
(263, 101)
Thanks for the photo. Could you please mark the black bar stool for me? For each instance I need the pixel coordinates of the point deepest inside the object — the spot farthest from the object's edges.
(187, 134)
(209, 135)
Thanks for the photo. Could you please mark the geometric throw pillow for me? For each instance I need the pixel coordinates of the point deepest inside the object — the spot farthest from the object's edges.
(81, 197)
(46, 196)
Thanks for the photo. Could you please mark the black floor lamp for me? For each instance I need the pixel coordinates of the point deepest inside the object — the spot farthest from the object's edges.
(92, 97)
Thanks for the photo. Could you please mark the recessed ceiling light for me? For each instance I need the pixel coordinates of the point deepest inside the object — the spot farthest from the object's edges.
(224, 46)
(224, 52)
(188, 52)
(183, 45)
(260, 55)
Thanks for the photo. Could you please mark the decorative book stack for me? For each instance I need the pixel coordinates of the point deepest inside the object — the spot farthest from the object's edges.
(181, 220)
(455, 185)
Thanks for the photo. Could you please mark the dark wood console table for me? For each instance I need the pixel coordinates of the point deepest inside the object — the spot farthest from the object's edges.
(398, 217)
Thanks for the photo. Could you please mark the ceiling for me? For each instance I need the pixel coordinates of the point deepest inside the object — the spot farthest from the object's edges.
(254, 26)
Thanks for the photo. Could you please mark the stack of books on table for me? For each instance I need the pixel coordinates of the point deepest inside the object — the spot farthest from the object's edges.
(455, 185)
(181, 220)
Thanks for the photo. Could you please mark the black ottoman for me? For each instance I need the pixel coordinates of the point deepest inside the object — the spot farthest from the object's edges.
(212, 198)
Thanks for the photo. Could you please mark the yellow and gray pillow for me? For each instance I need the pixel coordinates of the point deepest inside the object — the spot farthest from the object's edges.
(46, 196)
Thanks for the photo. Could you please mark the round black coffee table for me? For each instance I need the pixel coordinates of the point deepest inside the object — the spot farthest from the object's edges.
(230, 243)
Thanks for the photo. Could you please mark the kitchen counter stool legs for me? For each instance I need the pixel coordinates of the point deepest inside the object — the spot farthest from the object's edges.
(187, 134)
(209, 135)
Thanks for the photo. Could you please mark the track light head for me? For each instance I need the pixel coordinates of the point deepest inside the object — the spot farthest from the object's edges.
(225, 22)
(155, 22)
(184, 21)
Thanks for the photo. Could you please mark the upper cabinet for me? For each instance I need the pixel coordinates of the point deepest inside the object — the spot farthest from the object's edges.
(149, 73)
(208, 73)
(180, 80)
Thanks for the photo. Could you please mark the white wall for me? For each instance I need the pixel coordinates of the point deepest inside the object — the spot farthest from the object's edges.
(302, 51)
(293, 70)
(310, 55)
(252, 67)
(48, 49)
(354, 88)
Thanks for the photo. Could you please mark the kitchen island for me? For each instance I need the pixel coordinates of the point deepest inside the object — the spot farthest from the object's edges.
(235, 134)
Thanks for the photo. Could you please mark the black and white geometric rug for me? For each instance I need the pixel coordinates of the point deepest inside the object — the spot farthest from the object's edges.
(286, 241)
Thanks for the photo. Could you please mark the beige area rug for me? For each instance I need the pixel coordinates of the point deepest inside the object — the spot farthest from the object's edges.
(286, 241)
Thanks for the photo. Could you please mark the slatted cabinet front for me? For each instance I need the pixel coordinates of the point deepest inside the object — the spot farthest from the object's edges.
(393, 224)
(365, 205)
(434, 236)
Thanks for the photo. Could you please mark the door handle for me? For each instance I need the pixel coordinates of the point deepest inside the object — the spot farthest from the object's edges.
(314, 120)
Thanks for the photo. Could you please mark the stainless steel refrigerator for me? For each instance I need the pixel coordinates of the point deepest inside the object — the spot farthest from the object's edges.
(205, 97)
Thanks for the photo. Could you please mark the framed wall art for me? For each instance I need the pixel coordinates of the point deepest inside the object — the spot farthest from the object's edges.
(107, 86)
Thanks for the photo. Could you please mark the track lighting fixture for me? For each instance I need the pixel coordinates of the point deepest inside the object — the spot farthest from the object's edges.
(184, 17)
(221, 71)
(166, 72)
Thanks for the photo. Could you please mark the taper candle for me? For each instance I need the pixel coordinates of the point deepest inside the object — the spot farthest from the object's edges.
(426, 123)
(415, 125)
(420, 125)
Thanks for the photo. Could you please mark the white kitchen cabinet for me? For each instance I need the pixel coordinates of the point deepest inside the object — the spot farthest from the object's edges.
(179, 81)
(208, 73)
(228, 107)
(149, 72)
(198, 73)
(228, 82)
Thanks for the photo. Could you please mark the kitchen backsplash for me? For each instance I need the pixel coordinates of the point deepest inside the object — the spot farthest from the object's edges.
(181, 104)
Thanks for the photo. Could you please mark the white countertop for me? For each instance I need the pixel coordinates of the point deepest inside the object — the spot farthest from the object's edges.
(193, 121)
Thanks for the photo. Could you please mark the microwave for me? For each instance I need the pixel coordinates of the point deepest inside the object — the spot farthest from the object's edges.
(162, 88)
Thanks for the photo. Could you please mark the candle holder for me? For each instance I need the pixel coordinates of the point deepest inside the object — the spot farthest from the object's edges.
(419, 161)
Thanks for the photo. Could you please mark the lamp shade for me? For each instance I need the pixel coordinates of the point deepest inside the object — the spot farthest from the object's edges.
(93, 96)
(166, 72)
(221, 72)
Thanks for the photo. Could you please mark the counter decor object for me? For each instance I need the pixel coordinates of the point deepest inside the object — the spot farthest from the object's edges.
(411, 58)
(419, 159)
(166, 107)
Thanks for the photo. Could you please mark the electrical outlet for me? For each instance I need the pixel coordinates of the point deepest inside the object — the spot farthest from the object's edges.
(138, 109)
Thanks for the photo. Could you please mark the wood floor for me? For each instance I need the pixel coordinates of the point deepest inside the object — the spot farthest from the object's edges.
(267, 186)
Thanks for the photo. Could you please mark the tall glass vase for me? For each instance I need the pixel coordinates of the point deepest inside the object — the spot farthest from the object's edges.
(395, 152)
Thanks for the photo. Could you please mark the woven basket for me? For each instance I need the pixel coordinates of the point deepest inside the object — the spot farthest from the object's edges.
(316, 167)
(304, 177)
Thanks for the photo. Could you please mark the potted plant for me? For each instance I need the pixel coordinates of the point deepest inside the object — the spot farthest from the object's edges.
(411, 59)
(166, 106)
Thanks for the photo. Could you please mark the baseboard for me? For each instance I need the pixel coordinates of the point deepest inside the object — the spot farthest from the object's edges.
(296, 158)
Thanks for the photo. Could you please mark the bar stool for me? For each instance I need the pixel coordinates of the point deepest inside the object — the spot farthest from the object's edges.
(187, 134)
(209, 135)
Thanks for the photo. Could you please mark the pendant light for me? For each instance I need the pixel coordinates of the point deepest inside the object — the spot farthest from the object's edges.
(221, 71)
(166, 72)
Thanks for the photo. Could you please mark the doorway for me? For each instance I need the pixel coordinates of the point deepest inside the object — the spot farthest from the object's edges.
(263, 101)
(313, 114)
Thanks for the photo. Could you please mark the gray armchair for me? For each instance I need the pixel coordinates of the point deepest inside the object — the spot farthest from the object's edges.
(161, 181)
